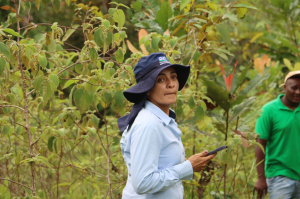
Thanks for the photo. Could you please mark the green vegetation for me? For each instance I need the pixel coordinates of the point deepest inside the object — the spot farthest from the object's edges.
(64, 65)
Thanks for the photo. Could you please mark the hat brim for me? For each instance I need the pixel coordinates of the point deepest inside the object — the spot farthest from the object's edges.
(135, 93)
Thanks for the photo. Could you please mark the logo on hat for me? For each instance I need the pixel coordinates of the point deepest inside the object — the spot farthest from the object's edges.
(163, 60)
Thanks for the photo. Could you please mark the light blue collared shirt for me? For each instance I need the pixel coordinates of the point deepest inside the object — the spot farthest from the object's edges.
(155, 157)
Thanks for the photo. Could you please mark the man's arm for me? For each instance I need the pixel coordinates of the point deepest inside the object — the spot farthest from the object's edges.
(261, 184)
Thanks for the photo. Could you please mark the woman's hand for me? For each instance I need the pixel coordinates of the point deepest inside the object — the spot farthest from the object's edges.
(199, 160)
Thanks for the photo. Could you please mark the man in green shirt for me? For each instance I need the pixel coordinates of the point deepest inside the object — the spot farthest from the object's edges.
(279, 133)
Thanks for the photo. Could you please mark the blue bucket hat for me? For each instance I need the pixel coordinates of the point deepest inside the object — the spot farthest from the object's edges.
(146, 71)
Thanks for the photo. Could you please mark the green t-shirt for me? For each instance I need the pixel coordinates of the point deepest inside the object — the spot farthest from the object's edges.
(280, 126)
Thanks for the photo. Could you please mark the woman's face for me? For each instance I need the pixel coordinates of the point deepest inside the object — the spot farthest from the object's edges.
(164, 92)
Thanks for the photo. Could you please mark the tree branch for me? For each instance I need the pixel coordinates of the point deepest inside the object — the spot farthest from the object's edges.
(12, 106)
(16, 183)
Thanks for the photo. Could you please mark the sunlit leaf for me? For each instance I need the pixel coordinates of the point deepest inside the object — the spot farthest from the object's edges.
(12, 32)
(244, 5)
(119, 56)
(200, 112)
(288, 64)
(119, 17)
(241, 12)
(106, 23)
(231, 17)
(38, 3)
(93, 55)
(70, 32)
(43, 61)
(54, 79)
(183, 3)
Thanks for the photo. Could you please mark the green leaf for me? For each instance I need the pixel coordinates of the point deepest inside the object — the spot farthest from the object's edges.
(111, 11)
(173, 42)
(56, 5)
(256, 81)
(93, 55)
(12, 32)
(47, 92)
(164, 14)
(260, 146)
(2, 65)
(43, 61)
(43, 160)
(244, 5)
(62, 132)
(241, 108)
(6, 130)
(241, 12)
(200, 112)
(4, 50)
(119, 56)
(217, 93)
(119, 98)
(37, 83)
(99, 37)
(68, 2)
(45, 2)
(137, 6)
(54, 79)
(95, 121)
(70, 32)
(154, 43)
(288, 64)
(106, 24)
(191, 103)
(50, 143)
(108, 38)
(183, 3)
(119, 17)
(223, 30)
(231, 17)
(107, 97)
(82, 99)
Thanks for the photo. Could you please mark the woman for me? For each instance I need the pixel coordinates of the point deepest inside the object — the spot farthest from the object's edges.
(151, 143)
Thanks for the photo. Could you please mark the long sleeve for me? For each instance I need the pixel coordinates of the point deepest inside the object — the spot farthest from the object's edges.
(146, 145)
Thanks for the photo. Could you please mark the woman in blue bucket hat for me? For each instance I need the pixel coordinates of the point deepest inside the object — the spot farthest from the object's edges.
(151, 142)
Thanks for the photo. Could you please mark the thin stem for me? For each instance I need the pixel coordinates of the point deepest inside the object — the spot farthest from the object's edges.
(108, 156)
(225, 166)
(12, 106)
(26, 113)
(16, 183)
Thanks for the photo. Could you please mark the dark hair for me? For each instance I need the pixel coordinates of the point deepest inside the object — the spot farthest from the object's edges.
(294, 77)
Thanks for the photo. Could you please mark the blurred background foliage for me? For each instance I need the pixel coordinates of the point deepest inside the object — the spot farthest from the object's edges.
(76, 58)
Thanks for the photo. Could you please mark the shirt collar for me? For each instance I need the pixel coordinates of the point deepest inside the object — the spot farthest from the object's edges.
(282, 106)
(159, 113)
